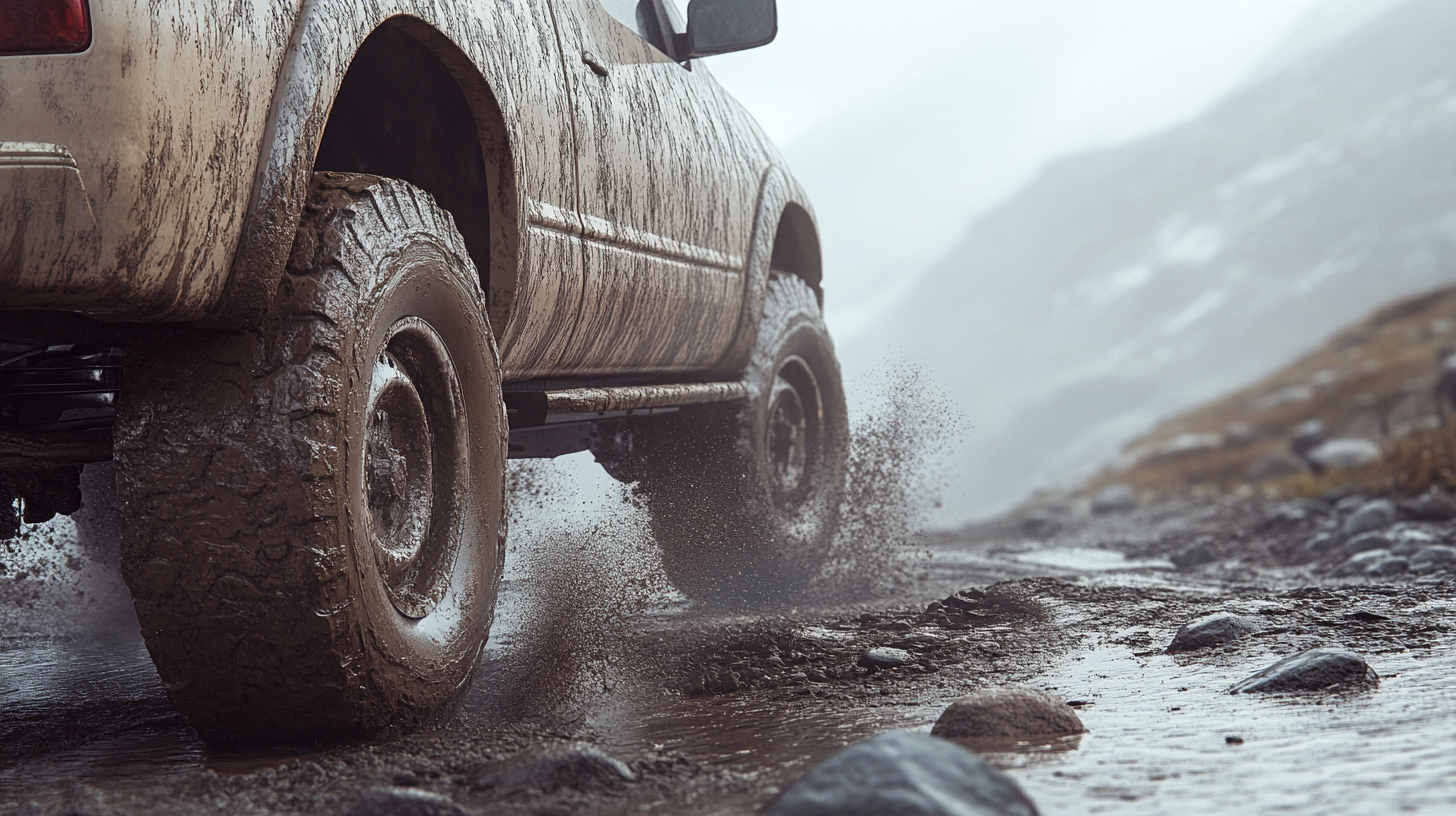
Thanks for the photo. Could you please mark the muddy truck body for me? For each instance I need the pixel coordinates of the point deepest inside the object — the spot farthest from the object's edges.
(308, 273)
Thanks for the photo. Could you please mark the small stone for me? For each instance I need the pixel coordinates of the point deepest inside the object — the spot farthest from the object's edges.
(1195, 554)
(1357, 564)
(404, 802)
(1434, 559)
(1278, 465)
(1433, 505)
(1307, 436)
(1373, 515)
(1117, 498)
(905, 774)
(1233, 740)
(1342, 454)
(885, 658)
(548, 768)
(1365, 543)
(1323, 542)
(1386, 567)
(966, 600)
(1313, 670)
(1411, 540)
(1213, 630)
(1008, 711)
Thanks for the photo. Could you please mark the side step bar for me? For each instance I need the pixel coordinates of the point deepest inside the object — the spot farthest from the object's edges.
(547, 424)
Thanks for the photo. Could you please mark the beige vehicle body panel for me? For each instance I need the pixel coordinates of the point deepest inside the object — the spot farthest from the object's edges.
(159, 176)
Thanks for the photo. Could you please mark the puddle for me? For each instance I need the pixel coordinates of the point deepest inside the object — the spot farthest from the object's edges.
(1088, 559)
(1157, 748)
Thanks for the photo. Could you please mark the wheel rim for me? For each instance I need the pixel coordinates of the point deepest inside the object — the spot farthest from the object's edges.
(413, 451)
(795, 426)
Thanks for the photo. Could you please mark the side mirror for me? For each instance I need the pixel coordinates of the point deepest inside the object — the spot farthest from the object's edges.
(723, 26)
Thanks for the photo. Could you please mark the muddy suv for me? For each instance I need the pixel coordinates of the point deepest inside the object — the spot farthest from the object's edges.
(310, 273)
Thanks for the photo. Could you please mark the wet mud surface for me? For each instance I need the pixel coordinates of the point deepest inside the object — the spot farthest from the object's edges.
(709, 712)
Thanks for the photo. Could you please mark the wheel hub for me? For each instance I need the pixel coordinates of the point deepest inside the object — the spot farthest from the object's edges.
(793, 431)
(412, 456)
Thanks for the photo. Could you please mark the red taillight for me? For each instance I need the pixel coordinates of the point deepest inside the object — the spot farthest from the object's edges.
(44, 27)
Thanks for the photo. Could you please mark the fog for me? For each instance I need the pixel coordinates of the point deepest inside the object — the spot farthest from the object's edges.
(1038, 203)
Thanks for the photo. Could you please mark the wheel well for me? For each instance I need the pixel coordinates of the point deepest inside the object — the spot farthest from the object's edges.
(796, 246)
(414, 108)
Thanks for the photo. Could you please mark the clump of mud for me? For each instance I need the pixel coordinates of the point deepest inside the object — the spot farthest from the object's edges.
(898, 457)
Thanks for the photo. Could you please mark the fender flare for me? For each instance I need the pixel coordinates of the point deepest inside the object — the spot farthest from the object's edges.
(325, 39)
(777, 191)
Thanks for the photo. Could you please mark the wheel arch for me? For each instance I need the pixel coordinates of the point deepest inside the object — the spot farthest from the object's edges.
(786, 241)
(335, 86)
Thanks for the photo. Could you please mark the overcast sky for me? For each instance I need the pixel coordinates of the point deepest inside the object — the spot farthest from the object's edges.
(907, 120)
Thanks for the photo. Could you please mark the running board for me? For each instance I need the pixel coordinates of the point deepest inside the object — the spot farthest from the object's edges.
(547, 424)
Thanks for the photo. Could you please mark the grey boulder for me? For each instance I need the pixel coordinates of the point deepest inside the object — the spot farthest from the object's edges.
(1344, 453)
(1313, 670)
(1433, 505)
(1213, 630)
(1323, 541)
(1008, 711)
(1195, 554)
(1386, 567)
(1117, 498)
(1358, 564)
(1373, 515)
(1433, 559)
(1366, 542)
(885, 658)
(548, 768)
(904, 774)
(1411, 540)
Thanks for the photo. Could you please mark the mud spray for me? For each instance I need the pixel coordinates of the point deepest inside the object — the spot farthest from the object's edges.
(901, 435)
(586, 570)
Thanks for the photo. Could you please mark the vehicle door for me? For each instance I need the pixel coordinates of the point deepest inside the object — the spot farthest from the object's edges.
(667, 189)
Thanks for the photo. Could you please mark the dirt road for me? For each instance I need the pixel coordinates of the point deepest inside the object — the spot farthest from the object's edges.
(680, 710)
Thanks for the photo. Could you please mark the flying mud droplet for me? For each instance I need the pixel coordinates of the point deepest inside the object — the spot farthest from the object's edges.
(898, 460)
(587, 577)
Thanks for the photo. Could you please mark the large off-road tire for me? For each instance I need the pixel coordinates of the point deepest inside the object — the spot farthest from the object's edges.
(744, 498)
(313, 512)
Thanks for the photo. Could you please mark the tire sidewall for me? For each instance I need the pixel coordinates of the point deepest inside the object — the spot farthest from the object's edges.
(422, 662)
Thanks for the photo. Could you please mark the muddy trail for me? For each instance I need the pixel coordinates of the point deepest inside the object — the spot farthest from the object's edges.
(662, 707)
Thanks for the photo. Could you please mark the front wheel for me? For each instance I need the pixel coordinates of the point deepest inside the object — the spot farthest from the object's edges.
(744, 498)
(313, 513)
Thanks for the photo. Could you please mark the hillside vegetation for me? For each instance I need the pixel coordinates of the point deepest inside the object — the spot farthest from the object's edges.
(1375, 380)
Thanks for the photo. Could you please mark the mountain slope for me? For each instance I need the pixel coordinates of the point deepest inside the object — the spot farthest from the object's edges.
(1127, 284)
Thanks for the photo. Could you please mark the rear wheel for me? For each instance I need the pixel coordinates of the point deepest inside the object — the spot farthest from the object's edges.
(313, 513)
(744, 498)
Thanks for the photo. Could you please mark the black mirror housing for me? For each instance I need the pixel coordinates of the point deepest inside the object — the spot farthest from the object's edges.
(724, 26)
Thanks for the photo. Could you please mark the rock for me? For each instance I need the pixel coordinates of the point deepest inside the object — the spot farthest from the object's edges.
(1008, 711)
(1365, 543)
(1278, 465)
(1386, 567)
(548, 768)
(1339, 454)
(1323, 542)
(1408, 541)
(885, 658)
(1433, 505)
(1434, 559)
(1373, 515)
(1240, 433)
(1307, 436)
(1195, 554)
(966, 600)
(1357, 564)
(1213, 630)
(404, 802)
(905, 774)
(1116, 498)
(1313, 670)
